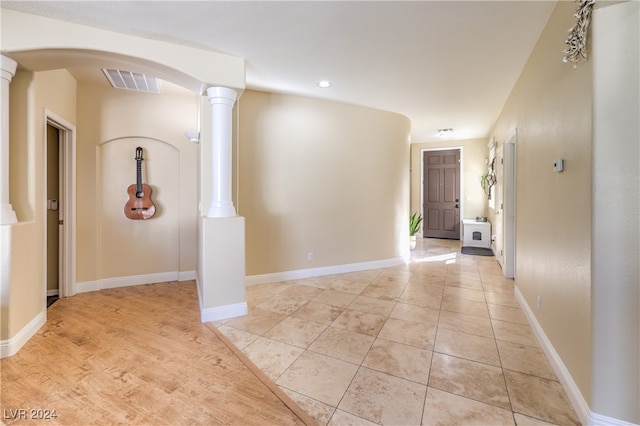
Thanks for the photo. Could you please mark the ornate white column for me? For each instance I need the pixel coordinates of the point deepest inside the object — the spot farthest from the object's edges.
(222, 100)
(221, 261)
(7, 215)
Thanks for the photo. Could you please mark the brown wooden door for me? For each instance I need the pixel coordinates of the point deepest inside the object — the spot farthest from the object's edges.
(441, 195)
(53, 210)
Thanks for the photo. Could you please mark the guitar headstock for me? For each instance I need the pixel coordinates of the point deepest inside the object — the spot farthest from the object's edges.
(139, 154)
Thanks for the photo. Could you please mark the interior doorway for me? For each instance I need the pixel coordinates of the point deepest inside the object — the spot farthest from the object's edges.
(59, 235)
(54, 220)
(505, 207)
(441, 193)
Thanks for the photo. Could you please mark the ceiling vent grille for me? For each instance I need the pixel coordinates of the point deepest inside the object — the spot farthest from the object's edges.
(132, 81)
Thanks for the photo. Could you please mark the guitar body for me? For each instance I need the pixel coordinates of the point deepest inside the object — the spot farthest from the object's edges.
(139, 206)
(142, 207)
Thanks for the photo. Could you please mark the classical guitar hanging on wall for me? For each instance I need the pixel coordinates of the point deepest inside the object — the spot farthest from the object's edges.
(139, 206)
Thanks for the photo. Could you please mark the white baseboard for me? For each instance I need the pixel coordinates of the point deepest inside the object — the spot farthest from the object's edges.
(575, 396)
(586, 416)
(11, 346)
(86, 286)
(53, 292)
(223, 312)
(596, 419)
(325, 270)
(186, 275)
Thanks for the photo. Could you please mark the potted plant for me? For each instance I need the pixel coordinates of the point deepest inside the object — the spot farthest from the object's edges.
(415, 220)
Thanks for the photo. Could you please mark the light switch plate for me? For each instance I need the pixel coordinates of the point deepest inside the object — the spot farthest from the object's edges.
(558, 165)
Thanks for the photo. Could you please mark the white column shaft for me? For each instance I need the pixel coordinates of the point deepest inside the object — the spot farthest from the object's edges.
(222, 100)
(7, 215)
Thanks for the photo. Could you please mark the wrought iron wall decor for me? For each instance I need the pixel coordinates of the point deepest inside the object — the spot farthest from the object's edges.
(488, 180)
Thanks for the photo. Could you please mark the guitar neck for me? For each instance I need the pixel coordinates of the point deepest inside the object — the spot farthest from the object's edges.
(139, 175)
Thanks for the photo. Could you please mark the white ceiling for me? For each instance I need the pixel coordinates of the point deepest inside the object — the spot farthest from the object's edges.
(443, 64)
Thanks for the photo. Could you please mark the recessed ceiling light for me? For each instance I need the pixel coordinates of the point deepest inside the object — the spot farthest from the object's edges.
(324, 84)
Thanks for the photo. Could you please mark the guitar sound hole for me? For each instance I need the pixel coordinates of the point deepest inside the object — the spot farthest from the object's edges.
(139, 194)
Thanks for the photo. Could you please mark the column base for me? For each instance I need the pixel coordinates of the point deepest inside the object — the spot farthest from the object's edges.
(221, 269)
(5, 282)
(220, 211)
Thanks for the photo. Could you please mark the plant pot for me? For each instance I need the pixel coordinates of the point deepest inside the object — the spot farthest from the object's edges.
(412, 242)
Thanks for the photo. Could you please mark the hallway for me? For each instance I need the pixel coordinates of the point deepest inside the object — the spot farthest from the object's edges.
(439, 341)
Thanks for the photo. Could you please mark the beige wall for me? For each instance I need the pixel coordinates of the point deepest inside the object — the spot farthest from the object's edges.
(474, 154)
(322, 177)
(551, 108)
(31, 94)
(111, 124)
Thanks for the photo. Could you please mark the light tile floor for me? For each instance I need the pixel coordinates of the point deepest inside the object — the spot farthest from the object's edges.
(439, 341)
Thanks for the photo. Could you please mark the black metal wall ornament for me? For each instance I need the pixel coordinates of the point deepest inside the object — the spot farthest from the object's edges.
(488, 180)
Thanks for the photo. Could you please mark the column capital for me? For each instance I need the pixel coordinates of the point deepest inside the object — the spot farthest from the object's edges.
(9, 67)
(221, 95)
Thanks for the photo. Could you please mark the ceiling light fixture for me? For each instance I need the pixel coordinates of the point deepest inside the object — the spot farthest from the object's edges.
(443, 133)
(324, 84)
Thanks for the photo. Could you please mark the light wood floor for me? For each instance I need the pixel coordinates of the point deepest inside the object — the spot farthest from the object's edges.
(138, 355)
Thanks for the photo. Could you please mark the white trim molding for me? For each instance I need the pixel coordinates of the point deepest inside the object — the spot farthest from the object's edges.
(11, 346)
(575, 396)
(161, 277)
(325, 270)
(586, 416)
(596, 419)
(186, 275)
(223, 312)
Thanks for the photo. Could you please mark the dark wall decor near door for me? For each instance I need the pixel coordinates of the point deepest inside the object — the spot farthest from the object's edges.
(441, 194)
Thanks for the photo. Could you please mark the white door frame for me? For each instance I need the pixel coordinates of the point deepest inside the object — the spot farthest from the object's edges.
(67, 252)
(509, 210)
(496, 203)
